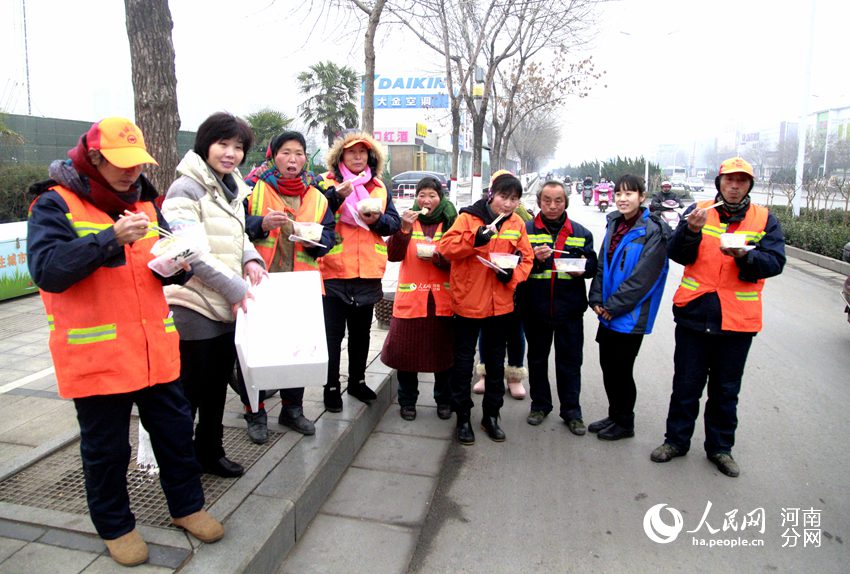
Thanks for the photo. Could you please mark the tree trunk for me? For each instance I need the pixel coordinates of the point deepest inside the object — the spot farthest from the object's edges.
(154, 84)
(368, 124)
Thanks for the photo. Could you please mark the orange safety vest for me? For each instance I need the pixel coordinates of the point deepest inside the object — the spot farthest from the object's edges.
(313, 208)
(418, 277)
(111, 332)
(358, 252)
(714, 272)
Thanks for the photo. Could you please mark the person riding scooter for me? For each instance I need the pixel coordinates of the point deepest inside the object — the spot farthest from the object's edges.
(666, 194)
(587, 189)
(603, 189)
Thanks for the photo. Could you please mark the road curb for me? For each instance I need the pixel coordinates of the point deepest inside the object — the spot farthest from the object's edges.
(820, 260)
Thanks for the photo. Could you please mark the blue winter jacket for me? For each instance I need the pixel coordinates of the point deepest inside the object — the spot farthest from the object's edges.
(630, 286)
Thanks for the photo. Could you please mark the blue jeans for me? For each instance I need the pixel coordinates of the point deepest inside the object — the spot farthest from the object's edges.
(493, 341)
(105, 450)
(569, 340)
(717, 360)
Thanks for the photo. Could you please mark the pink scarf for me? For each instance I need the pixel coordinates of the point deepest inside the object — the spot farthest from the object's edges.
(349, 213)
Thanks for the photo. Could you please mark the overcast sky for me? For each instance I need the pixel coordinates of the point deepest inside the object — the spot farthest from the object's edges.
(677, 70)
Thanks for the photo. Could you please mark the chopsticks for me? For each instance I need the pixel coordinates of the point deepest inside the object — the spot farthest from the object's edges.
(498, 219)
(152, 226)
(709, 207)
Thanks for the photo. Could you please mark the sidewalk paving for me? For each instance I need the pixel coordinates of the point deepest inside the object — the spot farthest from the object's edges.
(264, 512)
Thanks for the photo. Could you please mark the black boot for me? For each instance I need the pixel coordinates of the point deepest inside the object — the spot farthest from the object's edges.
(333, 399)
(465, 435)
(292, 416)
(490, 423)
(361, 392)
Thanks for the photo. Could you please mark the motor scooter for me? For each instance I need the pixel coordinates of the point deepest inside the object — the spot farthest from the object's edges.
(669, 213)
(604, 200)
(587, 194)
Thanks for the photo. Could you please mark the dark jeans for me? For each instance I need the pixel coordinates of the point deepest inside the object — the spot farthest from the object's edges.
(569, 340)
(716, 359)
(338, 315)
(516, 341)
(493, 341)
(105, 450)
(289, 397)
(617, 354)
(408, 388)
(205, 370)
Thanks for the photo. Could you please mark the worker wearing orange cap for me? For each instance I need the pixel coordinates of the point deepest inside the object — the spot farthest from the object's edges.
(728, 246)
(112, 338)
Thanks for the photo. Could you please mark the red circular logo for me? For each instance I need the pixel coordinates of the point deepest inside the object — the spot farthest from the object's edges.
(131, 139)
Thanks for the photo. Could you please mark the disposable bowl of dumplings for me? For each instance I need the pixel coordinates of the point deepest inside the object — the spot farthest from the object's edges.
(504, 260)
(308, 230)
(568, 264)
(425, 250)
(733, 240)
(369, 205)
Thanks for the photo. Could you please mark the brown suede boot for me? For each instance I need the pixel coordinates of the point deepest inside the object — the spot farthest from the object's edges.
(128, 550)
(202, 525)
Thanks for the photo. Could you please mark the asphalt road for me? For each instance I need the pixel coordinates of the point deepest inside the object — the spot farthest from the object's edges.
(548, 501)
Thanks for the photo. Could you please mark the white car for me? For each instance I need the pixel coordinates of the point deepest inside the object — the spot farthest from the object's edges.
(694, 184)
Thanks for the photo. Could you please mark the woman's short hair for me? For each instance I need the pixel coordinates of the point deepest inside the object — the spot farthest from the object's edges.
(630, 182)
(222, 126)
(429, 182)
(506, 184)
(280, 139)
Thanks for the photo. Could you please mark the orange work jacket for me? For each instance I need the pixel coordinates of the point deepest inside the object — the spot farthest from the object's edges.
(714, 272)
(112, 332)
(417, 277)
(476, 293)
(358, 252)
(313, 208)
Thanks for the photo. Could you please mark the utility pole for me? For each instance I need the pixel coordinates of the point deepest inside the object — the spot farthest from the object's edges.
(804, 105)
(27, 58)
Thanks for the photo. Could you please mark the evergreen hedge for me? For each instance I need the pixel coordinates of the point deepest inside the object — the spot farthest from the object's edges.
(15, 179)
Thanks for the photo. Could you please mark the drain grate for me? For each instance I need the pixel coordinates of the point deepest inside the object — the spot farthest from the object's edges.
(57, 483)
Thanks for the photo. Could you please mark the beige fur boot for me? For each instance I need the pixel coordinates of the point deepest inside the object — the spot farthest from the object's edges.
(514, 377)
(478, 388)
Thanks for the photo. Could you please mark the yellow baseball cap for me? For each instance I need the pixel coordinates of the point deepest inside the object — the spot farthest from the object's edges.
(120, 141)
(736, 165)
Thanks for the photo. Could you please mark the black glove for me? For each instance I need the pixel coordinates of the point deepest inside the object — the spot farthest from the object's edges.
(505, 276)
(482, 236)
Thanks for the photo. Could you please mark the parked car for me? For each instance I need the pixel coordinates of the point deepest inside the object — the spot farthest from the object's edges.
(695, 184)
(404, 183)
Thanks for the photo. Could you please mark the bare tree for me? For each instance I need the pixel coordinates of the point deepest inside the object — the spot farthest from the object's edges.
(483, 35)
(530, 86)
(535, 140)
(149, 27)
(373, 12)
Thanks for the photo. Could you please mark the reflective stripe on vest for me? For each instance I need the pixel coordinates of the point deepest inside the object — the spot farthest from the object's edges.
(92, 334)
(549, 273)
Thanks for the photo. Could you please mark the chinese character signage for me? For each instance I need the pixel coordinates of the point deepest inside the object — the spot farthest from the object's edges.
(409, 92)
(14, 275)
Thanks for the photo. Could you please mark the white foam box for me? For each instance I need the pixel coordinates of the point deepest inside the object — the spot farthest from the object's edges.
(281, 341)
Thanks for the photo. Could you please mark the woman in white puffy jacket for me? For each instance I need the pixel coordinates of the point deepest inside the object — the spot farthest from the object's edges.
(209, 193)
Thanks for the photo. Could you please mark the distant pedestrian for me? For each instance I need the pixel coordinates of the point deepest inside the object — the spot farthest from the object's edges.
(112, 337)
(483, 298)
(626, 294)
(420, 339)
(552, 304)
(718, 310)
